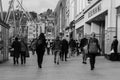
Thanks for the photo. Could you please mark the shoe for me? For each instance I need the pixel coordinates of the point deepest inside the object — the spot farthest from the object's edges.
(84, 62)
(58, 63)
(92, 68)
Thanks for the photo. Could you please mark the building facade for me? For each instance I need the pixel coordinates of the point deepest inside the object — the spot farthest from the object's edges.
(100, 18)
(60, 17)
(31, 31)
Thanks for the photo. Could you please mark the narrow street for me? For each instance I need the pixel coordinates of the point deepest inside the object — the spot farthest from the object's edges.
(73, 69)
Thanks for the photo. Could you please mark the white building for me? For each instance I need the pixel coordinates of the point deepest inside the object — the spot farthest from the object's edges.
(31, 30)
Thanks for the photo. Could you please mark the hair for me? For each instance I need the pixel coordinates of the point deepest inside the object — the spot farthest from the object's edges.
(93, 33)
(16, 39)
(42, 36)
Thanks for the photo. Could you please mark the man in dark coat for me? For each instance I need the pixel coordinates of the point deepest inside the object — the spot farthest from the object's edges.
(114, 45)
(17, 48)
(40, 49)
(64, 49)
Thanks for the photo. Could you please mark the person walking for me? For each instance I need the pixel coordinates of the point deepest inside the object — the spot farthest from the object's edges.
(24, 50)
(40, 49)
(48, 47)
(57, 49)
(72, 45)
(33, 46)
(64, 49)
(16, 53)
(114, 45)
(93, 50)
(83, 45)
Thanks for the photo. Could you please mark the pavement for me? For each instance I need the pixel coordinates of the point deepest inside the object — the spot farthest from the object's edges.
(73, 69)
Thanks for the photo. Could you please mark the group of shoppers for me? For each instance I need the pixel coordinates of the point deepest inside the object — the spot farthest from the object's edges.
(60, 48)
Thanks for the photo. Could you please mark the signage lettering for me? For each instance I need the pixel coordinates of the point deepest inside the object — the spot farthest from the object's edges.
(94, 11)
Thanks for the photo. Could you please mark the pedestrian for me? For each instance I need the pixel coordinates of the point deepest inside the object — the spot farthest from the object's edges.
(40, 49)
(72, 46)
(93, 49)
(57, 49)
(64, 50)
(24, 50)
(77, 47)
(114, 45)
(33, 46)
(16, 53)
(83, 45)
(48, 47)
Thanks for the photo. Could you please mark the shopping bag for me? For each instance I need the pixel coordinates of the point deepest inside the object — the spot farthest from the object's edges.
(85, 48)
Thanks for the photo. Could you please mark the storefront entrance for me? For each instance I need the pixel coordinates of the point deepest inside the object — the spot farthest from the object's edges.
(98, 26)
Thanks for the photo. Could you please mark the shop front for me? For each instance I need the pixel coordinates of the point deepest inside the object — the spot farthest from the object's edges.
(96, 20)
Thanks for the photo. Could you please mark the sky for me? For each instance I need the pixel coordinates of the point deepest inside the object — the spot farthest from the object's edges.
(33, 5)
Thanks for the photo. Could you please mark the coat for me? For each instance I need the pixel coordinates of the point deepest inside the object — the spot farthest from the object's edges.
(64, 45)
(17, 48)
(114, 45)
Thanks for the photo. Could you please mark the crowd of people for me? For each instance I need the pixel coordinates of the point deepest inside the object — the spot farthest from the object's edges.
(60, 48)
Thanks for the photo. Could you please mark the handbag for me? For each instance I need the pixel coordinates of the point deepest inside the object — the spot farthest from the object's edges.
(85, 48)
(11, 52)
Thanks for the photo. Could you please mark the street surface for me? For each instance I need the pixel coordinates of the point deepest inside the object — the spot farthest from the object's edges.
(73, 69)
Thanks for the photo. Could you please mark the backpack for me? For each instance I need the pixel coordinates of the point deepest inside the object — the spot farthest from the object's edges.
(23, 47)
(93, 49)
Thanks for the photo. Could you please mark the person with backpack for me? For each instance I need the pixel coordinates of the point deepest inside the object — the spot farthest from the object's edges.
(24, 50)
(93, 49)
(40, 49)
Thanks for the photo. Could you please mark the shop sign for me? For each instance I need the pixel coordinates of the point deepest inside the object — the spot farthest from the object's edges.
(94, 11)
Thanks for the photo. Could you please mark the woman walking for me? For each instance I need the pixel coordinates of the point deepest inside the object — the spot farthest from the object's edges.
(23, 52)
(40, 49)
(93, 49)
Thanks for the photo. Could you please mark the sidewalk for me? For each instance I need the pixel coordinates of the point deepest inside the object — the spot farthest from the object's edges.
(73, 69)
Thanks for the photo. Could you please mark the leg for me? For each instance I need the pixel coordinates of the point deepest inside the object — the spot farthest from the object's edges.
(14, 61)
(92, 61)
(55, 56)
(83, 57)
(21, 58)
(24, 58)
(58, 56)
(17, 60)
(62, 55)
(66, 52)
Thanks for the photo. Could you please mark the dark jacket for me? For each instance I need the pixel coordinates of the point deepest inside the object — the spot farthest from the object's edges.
(114, 45)
(17, 48)
(57, 45)
(83, 42)
(41, 45)
(72, 44)
(64, 45)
